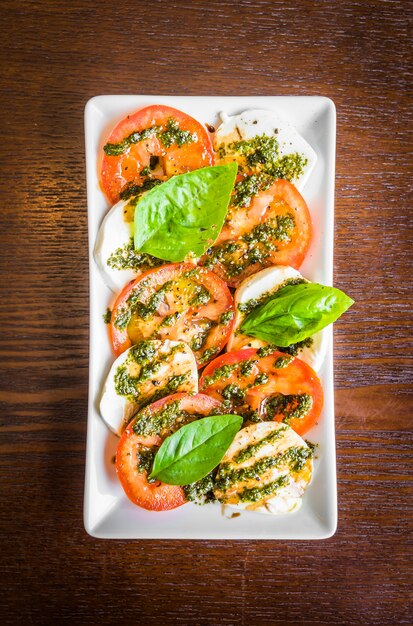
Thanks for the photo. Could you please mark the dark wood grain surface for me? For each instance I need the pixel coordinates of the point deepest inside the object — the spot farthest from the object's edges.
(55, 56)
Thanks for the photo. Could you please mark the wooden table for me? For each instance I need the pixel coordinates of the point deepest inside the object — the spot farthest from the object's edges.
(56, 55)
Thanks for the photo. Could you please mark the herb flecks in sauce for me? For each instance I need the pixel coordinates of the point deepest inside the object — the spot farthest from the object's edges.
(169, 135)
(225, 371)
(122, 318)
(201, 492)
(295, 457)
(185, 293)
(234, 394)
(261, 493)
(200, 297)
(127, 257)
(253, 247)
(200, 338)
(261, 379)
(226, 317)
(261, 163)
(249, 187)
(282, 361)
(208, 354)
(252, 449)
(144, 355)
(115, 149)
(174, 135)
(134, 191)
(293, 406)
(162, 422)
(295, 348)
(145, 457)
(247, 367)
(266, 350)
(107, 316)
(279, 228)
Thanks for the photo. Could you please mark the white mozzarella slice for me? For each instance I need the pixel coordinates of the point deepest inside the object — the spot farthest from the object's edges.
(255, 122)
(115, 234)
(267, 282)
(273, 488)
(167, 360)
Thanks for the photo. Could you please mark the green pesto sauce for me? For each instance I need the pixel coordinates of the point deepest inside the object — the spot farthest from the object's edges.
(107, 316)
(261, 379)
(122, 317)
(225, 371)
(291, 350)
(293, 406)
(207, 355)
(260, 493)
(169, 418)
(296, 458)
(249, 187)
(282, 361)
(153, 424)
(263, 165)
(234, 394)
(253, 247)
(200, 338)
(312, 446)
(295, 348)
(261, 149)
(145, 458)
(251, 450)
(201, 296)
(201, 492)
(279, 229)
(249, 415)
(168, 136)
(173, 135)
(134, 190)
(115, 149)
(247, 366)
(143, 353)
(193, 273)
(228, 475)
(266, 350)
(127, 257)
(226, 317)
(170, 320)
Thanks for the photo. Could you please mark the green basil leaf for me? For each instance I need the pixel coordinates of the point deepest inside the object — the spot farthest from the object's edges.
(185, 214)
(296, 312)
(195, 449)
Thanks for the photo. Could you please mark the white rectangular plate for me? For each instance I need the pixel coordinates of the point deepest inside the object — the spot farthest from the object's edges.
(107, 511)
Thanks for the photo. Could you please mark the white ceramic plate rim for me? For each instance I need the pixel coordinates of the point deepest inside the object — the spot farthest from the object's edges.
(107, 511)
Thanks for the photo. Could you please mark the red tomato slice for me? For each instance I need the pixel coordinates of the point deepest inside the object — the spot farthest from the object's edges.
(120, 171)
(180, 302)
(275, 229)
(142, 438)
(273, 387)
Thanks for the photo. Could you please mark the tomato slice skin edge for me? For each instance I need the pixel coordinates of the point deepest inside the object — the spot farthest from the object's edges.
(260, 210)
(120, 338)
(118, 171)
(155, 496)
(296, 378)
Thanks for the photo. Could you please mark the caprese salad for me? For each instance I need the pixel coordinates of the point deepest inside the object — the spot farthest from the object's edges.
(216, 336)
